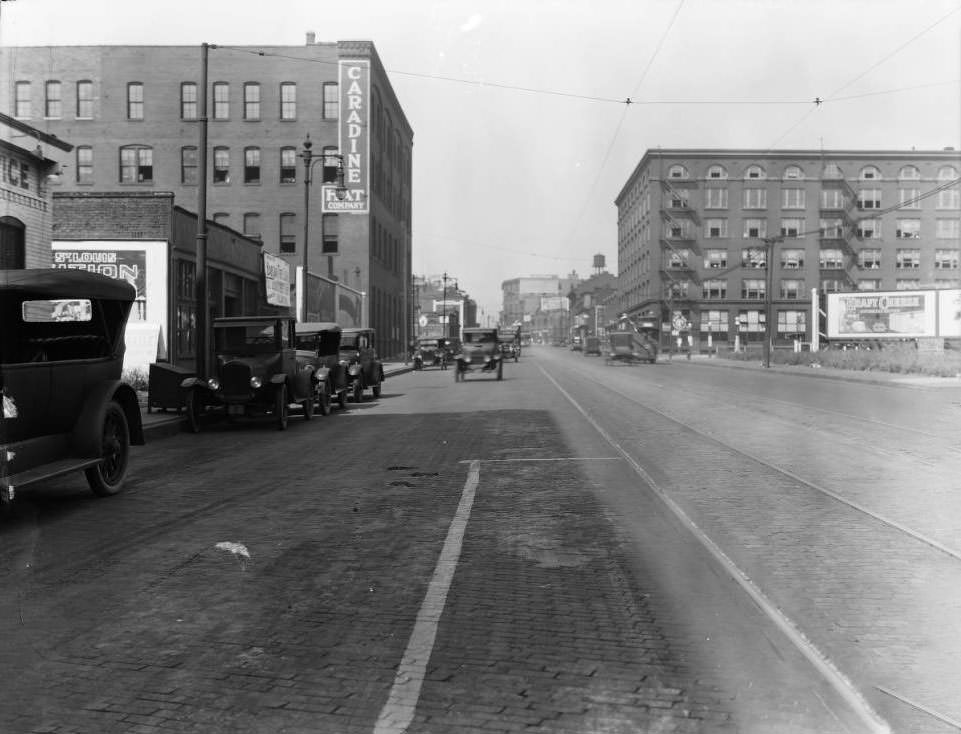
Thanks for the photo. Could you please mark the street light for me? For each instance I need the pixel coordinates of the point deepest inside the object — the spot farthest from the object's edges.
(445, 278)
(310, 158)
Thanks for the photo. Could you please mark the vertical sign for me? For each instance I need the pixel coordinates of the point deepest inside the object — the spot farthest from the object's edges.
(276, 280)
(353, 138)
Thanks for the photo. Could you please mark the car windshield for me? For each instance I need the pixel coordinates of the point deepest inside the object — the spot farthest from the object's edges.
(487, 337)
(430, 344)
(350, 341)
(246, 338)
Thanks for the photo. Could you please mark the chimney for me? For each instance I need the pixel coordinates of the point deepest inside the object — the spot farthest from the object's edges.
(311, 38)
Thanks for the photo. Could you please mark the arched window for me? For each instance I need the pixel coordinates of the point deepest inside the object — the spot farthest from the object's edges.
(677, 171)
(833, 171)
(793, 172)
(870, 173)
(909, 173)
(12, 244)
(755, 172)
(947, 173)
(717, 172)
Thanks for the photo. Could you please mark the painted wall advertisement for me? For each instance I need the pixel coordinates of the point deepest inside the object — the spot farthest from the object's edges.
(554, 303)
(894, 314)
(353, 139)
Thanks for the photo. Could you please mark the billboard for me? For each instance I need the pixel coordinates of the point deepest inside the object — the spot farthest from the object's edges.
(353, 139)
(128, 265)
(893, 314)
(554, 303)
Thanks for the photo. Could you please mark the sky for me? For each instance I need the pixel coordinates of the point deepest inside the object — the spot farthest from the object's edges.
(522, 137)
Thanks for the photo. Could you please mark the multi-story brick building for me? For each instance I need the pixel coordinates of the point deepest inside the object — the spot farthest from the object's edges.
(695, 228)
(133, 113)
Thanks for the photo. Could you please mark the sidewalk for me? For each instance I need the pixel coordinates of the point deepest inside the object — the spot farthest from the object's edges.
(877, 377)
(161, 424)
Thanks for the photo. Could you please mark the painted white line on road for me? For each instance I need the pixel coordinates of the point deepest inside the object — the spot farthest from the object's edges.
(398, 712)
(929, 711)
(844, 688)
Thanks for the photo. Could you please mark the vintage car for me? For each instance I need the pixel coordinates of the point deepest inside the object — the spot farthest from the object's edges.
(510, 344)
(257, 371)
(322, 339)
(364, 368)
(481, 351)
(65, 406)
(592, 346)
(430, 353)
(630, 347)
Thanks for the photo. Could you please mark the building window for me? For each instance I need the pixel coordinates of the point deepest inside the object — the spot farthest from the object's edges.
(869, 229)
(677, 171)
(869, 199)
(22, 100)
(331, 227)
(13, 246)
(792, 322)
(755, 228)
(791, 227)
(288, 101)
(755, 198)
(947, 173)
(221, 101)
(755, 172)
(751, 321)
(907, 259)
(136, 164)
(714, 289)
(715, 198)
(188, 101)
(948, 229)
(831, 229)
(869, 259)
(792, 198)
(792, 258)
(714, 321)
(251, 101)
(831, 259)
(833, 199)
(331, 164)
(288, 232)
(84, 164)
(221, 218)
(716, 172)
(714, 259)
(753, 289)
(679, 198)
(679, 230)
(870, 173)
(793, 173)
(907, 284)
(331, 100)
(252, 225)
(908, 229)
(188, 165)
(949, 199)
(869, 284)
(909, 198)
(53, 103)
(288, 165)
(678, 289)
(135, 101)
(715, 228)
(221, 165)
(832, 171)
(909, 173)
(832, 285)
(85, 100)
(754, 258)
(678, 259)
(251, 165)
(946, 259)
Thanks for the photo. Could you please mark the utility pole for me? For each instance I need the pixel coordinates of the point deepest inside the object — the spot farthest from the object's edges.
(769, 327)
(202, 340)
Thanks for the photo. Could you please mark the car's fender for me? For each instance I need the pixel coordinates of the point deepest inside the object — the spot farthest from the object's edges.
(86, 435)
(192, 382)
(280, 378)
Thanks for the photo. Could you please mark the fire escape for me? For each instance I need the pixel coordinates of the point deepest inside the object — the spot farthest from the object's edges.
(679, 245)
(838, 236)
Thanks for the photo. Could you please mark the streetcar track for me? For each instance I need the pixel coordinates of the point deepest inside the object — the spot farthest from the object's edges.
(894, 524)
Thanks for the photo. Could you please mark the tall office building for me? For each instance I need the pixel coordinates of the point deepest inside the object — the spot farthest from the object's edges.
(133, 114)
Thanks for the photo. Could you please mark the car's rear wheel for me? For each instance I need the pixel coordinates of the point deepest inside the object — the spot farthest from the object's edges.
(376, 390)
(323, 398)
(280, 408)
(106, 478)
(500, 370)
(194, 410)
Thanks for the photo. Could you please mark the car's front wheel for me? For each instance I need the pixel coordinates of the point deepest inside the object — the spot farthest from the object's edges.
(308, 407)
(323, 398)
(358, 391)
(280, 408)
(106, 478)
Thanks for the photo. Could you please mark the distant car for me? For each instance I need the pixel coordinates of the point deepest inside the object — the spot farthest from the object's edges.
(65, 406)
(480, 351)
(430, 353)
(630, 347)
(364, 368)
(592, 346)
(258, 371)
(576, 344)
(322, 340)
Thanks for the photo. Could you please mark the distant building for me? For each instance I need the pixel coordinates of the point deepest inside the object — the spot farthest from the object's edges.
(693, 227)
(133, 113)
(526, 295)
(441, 308)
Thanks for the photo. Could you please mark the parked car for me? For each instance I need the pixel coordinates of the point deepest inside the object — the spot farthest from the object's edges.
(430, 353)
(257, 371)
(364, 368)
(480, 351)
(322, 340)
(65, 405)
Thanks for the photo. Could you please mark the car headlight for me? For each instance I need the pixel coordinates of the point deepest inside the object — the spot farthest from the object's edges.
(213, 383)
(256, 382)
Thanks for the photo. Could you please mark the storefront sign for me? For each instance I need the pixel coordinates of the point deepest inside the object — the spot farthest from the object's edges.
(354, 139)
(277, 280)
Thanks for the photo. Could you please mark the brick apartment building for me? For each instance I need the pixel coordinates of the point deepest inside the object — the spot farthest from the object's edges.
(693, 225)
(133, 115)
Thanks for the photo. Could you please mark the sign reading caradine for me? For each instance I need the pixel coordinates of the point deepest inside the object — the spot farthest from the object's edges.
(354, 139)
